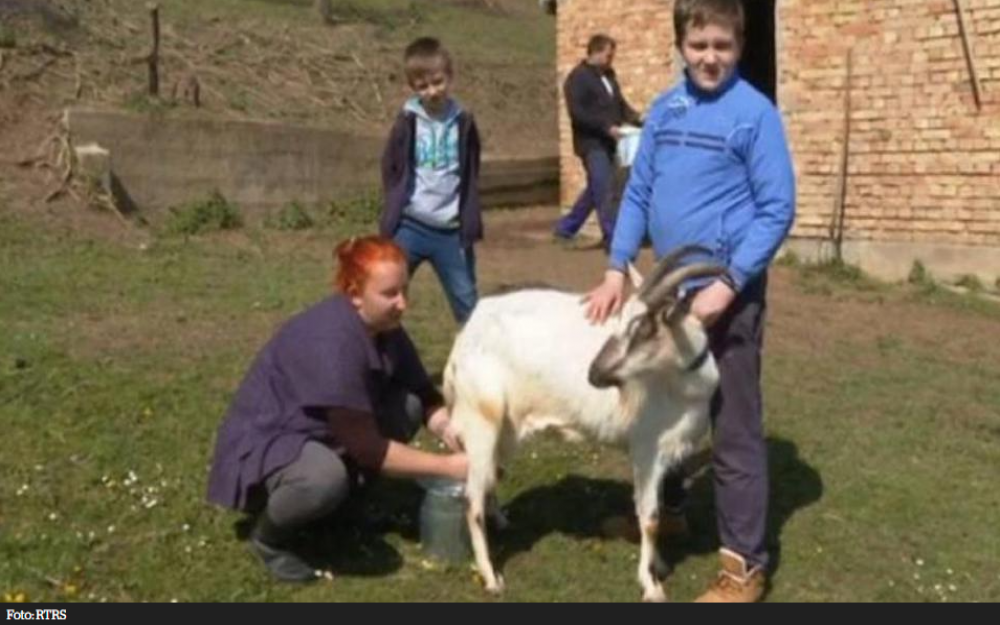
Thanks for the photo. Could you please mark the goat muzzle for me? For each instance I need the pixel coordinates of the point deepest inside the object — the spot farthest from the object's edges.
(600, 378)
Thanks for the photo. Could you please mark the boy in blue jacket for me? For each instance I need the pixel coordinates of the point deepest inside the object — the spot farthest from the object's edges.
(713, 169)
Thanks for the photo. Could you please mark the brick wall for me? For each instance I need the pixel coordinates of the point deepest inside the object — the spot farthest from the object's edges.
(924, 163)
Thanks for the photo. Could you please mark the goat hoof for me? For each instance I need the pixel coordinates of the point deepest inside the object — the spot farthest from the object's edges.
(496, 587)
(654, 595)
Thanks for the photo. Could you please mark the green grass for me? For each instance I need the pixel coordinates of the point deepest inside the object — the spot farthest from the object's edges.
(292, 216)
(970, 282)
(835, 279)
(210, 214)
(355, 211)
(116, 365)
(8, 37)
(141, 102)
(901, 446)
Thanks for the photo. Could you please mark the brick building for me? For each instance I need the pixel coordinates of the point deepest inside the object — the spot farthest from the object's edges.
(922, 180)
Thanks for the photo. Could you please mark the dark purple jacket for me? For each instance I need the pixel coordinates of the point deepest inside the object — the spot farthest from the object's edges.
(320, 359)
(398, 176)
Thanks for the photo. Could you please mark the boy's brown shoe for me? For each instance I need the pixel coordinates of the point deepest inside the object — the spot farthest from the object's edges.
(736, 583)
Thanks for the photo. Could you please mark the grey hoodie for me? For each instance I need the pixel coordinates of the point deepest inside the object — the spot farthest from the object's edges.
(435, 195)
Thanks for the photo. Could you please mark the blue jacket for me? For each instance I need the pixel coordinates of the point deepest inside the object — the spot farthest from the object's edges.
(712, 169)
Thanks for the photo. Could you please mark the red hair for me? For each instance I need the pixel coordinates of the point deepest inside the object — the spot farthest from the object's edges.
(355, 258)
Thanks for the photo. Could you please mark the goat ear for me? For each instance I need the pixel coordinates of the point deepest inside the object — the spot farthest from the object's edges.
(634, 276)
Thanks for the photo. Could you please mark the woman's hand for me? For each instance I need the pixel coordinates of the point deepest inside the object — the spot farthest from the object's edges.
(440, 424)
(457, 466)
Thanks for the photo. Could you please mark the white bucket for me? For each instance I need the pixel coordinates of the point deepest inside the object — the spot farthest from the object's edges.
(628, 145)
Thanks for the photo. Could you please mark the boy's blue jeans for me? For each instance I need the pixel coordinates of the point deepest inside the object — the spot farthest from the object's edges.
(454, 265)
(599, 193)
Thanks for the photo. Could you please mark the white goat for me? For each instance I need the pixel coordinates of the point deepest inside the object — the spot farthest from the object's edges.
(529, 359)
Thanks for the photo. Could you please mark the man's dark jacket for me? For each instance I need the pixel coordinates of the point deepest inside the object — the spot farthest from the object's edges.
(593, 111)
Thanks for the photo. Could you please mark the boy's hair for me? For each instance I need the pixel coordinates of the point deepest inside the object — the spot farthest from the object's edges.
(600, 43)
(700, 13)
(423, 56)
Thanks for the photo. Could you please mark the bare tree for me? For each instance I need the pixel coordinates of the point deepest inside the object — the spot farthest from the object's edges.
(325, 10)
(153, 58)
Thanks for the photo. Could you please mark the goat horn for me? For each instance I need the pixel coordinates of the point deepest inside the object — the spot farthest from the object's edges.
(634, 276)
(659, 294)
(677, 310)
(667, 264)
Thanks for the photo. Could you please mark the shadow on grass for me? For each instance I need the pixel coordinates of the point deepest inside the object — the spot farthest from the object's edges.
(574, 506)
(578, 506)
(352, 542)
(794, 484)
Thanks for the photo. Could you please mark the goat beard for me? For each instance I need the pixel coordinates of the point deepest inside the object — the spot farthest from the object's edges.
(629, 403)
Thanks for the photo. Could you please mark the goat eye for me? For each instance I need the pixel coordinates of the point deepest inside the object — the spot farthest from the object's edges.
(642, 329)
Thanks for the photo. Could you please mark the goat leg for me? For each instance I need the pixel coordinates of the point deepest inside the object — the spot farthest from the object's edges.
(481, 437)
(648, 475)
(476, 518)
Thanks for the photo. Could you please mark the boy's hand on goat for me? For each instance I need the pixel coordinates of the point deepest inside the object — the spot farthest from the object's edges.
(442, 427)
(607, 298)
(711, 302)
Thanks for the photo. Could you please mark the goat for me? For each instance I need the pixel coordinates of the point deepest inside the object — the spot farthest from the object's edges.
(521, 362)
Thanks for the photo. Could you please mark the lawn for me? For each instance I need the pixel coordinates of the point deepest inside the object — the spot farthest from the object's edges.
(118, 357)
